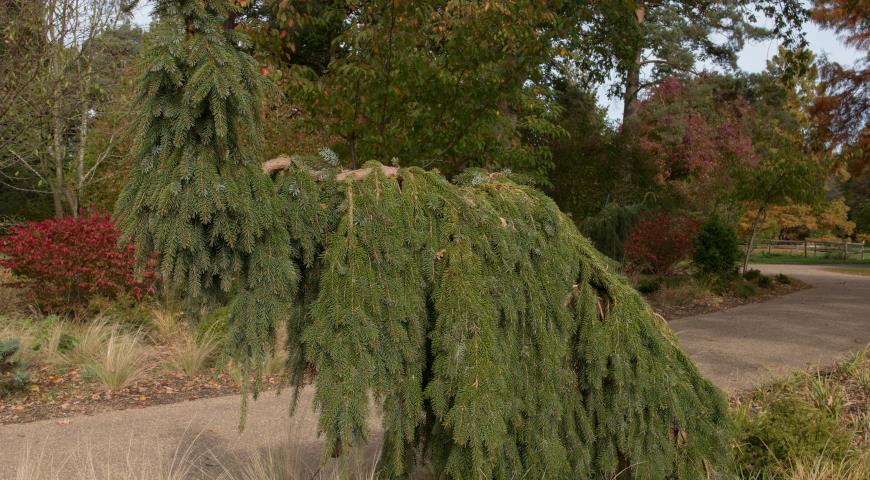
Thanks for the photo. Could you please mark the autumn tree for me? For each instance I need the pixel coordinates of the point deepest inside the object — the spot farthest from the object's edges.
(797, 221)
(695, 134)
(842, 108)
(647, 41)
(436, 83)
(62, 62)
(791, 168)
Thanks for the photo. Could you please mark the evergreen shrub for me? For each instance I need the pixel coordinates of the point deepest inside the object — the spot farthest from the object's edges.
(783, 279)
(65, 263)
(450, 302)
(648, 286)
(716, 249)
(609, 229)
(764, 281)
(752, 274)
(656, 244)
(13, 374)
(494, 339)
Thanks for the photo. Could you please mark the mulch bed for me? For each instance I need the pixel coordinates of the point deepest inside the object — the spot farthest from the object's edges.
(59, 394)
(671, 312)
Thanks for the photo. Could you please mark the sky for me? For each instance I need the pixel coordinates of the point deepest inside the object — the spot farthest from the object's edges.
(753, 58)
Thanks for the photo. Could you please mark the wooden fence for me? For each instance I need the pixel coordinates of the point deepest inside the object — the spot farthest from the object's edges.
(809, 248)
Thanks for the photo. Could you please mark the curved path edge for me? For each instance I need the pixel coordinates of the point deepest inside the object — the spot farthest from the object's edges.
(748, 345)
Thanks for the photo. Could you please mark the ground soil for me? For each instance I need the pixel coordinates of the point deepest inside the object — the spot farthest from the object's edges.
(59, 394)
(719, 303)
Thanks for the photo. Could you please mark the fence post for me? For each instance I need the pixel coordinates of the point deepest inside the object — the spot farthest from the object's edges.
(805, 248)
(769, 243)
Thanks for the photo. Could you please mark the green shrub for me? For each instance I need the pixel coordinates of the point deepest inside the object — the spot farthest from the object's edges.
(213, 326)
(716, 249)
(764, 281)
(125, 311)
(783, 279)
(609, 229)
(752, 275)
(8, 347)
(743, 289)
(13, 373)
(787, 430)
(648, 286)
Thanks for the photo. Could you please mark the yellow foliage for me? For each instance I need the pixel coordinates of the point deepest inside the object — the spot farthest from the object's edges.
(832, 218)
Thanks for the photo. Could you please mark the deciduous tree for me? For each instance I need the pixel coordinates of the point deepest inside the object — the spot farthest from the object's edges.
(436, 83)
(60, 62)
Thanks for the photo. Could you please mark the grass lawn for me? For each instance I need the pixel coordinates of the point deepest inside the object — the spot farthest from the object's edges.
(865, 271)
(785, 259)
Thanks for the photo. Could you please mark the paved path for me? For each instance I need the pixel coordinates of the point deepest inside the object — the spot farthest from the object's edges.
(736, 348)
(744, 346)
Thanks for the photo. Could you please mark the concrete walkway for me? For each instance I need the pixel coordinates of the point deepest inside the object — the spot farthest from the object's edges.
(744, 346)
(736, 349)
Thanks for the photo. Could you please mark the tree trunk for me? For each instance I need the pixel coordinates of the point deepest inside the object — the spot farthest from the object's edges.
(58, 152)
(632, 81)
(629, 101)
(756, 226)
(84, 118)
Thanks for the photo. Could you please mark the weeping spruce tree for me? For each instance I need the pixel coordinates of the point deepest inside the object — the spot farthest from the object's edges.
(489, 333)
(196, 195)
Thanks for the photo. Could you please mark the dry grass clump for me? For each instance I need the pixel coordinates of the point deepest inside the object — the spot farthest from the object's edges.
(856, 468)
(11, 300)
(90, 342)
(190, 459)
(192, 355)
(27, 353)
(684, 294)
(51, 349)
(86, 465)
(168, 324)
(122, 361)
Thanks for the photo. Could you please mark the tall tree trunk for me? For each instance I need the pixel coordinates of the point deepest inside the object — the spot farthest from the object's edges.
(632, 81)
(58, 152)
(76, 197)
(84, 118)
(756, 226)
(629, 99)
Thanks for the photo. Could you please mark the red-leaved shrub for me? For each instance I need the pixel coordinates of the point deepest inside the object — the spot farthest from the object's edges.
(658, 243)
(65, 263)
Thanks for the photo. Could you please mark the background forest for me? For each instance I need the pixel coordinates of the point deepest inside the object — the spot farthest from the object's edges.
(499, 85)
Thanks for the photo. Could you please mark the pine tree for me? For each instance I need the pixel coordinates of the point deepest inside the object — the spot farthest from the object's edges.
(197, 196)
(489, 331)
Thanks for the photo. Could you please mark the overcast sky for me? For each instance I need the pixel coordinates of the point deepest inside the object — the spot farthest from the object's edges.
(753, 58)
